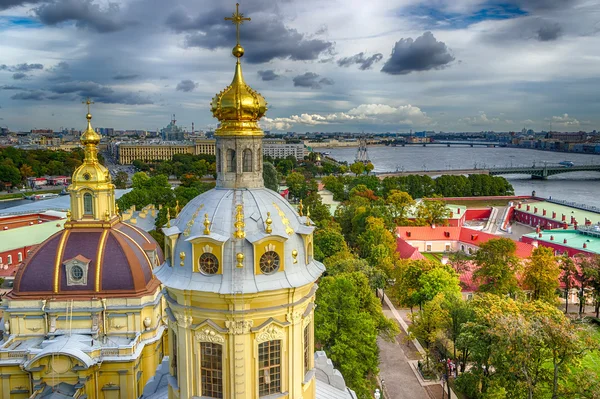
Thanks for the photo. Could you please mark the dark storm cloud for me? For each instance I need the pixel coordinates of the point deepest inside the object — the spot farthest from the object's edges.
(186, 86)
(422, 54)
(360, 59)
(125, 77)
(312, 80)
(268, 75)
(99, 93)
(265, 38)
(84, 13)
(60, 67)
(6, 4)
(549, 31)
(19, 76)
(11, 87)
(21, 67)
(34, 95)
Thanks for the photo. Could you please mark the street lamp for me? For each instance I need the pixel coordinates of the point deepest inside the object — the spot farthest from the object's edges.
(377, 394)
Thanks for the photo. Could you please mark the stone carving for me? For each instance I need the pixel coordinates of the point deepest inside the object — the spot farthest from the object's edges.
(271, 333)
(147, 323)
(306, 320)
(269, 248)
(237, 327)
(207, 249)
(294, 317)
(207, 334)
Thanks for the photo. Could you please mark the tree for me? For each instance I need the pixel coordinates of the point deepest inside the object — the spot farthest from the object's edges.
(270, 176)
(591, 268)
(400, 203)
(9, 175)
(120, 180)
(345, 305)
(439, 280)
(296, 183)
(358, 168)
(459, 312)
(369, 167)
(433, 212)
(541, 274)
(335, 184)
(496, 266)
(428, 324)
(567, 276)
(328, 242)
(26, 171)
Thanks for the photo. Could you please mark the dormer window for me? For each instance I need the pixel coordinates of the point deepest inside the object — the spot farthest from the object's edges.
(76, 270)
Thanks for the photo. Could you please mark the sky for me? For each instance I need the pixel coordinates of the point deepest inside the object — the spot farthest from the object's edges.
(322, 65)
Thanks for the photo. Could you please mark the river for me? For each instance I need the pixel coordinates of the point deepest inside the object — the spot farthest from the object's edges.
(580, 187)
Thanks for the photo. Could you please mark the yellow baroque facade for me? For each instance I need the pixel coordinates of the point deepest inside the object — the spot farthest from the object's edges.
(163, 151)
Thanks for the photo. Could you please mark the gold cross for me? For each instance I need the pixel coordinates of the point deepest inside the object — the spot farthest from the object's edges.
(88, 102)
(237, 19)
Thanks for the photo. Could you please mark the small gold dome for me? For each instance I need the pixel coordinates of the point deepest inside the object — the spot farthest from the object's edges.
(238, 107)
(89, 136)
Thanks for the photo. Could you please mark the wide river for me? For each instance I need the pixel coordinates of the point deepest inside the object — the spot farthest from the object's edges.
(580, 187)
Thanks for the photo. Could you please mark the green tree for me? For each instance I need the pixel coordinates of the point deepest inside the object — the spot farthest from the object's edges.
(496, 266)
(400, 202)
(26, 171)
(433, 212)
(428, 324)
(335, 184)
(459, 313)
(10, 176)
(270, 176)
(120, 180)
(369, 167)
(591, 268)
(358, 168)
(328, 242)
(567, 276)
(541, 274)
(296, 183)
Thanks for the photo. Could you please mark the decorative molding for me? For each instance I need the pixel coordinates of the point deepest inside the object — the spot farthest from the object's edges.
(207, 249)
(183, 320)
(270, 248)
(207, 334)
(293, 317)
(271, 333)
(306, 321)
(237, 327)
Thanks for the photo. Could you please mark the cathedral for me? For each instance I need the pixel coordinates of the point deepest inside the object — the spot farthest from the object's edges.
(97, 312)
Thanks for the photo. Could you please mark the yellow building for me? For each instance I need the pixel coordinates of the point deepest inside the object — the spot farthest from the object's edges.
(162, 151)
(240, 276)
(85, 317)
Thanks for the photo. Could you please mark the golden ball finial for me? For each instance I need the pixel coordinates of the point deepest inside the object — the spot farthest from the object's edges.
(89, 116)
(238, 51)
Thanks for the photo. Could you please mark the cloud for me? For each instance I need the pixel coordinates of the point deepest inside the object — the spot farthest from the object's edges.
(565, 120)
(125, 77)
(406, 115)
(549, 31)
(84, 13)
(60, 67)
(311, 79)
(361, 59)
(6, 4)
(19, 76)
(544, 5)
(98, 93)
(479, 120)
(34, 95)
(186, 85)
(21, 67)
(422, 54)
(264, 39)
(10, 87)
(268, 75)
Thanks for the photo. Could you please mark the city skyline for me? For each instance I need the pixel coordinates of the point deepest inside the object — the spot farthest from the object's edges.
(467, 65)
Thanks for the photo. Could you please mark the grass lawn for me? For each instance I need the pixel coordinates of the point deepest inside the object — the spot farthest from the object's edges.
(591, 361)
(434, 256)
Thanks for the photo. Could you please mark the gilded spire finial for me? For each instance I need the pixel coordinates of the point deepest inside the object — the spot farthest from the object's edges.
(300, 207)
(308, 215)
(168, 217)
(237, 19)
(239, 223)
(177, 209)
(206, 224)
(268, 222)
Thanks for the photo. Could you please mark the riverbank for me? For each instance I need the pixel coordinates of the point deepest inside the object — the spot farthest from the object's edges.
(21, 195)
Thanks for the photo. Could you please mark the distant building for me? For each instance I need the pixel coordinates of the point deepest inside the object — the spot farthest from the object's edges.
(584, 240)
(172, 132)
(127, 152)
(279, 148)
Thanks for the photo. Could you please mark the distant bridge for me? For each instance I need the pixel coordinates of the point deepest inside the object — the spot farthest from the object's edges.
(536, 172)
(449, 143)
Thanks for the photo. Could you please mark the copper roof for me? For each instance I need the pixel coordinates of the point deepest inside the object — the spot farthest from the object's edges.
(118, 264)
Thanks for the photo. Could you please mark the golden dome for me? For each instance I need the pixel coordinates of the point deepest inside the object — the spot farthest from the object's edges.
(89, 136)
(238, 107)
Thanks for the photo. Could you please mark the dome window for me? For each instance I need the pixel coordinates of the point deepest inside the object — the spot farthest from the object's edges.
(88, 208)
(76, 273)
(76, 270)
(269, 262)
(208, 263)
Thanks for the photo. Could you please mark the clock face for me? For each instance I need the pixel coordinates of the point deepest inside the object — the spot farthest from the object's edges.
(87, 176)
(269, 262)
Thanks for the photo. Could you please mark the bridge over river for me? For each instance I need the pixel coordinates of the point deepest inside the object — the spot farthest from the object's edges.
(535, 171)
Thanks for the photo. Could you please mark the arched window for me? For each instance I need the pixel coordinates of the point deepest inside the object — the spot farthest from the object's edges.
(10, 259)
(211, 368)
(174, 355)
(88, 208)
(307, 348)
(218, 160)
(20, 256)
(231, 167)
(247, 160)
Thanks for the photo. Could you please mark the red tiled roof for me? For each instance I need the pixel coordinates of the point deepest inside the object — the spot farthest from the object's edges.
(467, 282)
(407, 251)
(428, 233)
(475, 237)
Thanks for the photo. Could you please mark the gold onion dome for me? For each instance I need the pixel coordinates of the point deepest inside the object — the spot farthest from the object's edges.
(238, 107)
(90, 171)
(89, 136)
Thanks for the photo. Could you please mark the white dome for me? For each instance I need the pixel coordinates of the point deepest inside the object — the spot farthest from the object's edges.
(220, 205)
